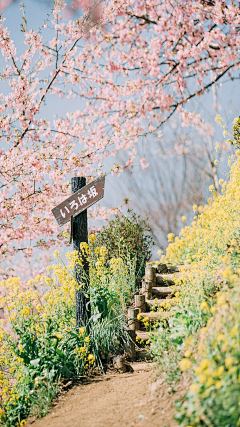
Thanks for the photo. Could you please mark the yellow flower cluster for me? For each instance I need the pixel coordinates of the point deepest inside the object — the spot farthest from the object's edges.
(30, 305)
(210, 293)
(218, 369)
(44, 309)
(217, 225)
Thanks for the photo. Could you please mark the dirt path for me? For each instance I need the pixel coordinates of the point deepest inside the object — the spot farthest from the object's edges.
(121, 400)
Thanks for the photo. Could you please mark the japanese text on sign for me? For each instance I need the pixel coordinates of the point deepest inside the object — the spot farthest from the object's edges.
(79, 201)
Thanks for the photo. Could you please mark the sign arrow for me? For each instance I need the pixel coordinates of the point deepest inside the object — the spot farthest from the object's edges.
(79, 201)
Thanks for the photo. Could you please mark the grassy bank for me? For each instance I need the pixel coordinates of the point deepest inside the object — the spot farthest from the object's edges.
(202, 336)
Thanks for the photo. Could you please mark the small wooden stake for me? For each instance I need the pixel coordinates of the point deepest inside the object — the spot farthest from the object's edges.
(140, 303)
(129, 347)
(147, 289)
(132, 335)
(119, 363)
(133, 322)
(150, 273)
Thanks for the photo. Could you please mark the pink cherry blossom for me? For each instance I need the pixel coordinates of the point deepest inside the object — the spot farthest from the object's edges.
(128, 66)
(143, 163)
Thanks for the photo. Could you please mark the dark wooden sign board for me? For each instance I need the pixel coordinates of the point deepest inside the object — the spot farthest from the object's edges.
(79, 201)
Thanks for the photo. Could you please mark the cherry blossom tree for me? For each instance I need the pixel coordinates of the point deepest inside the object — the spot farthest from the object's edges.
(131, 64)
(5, 3)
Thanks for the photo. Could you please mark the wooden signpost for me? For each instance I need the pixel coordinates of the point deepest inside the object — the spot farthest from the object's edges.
(81, 199)
(74, 208)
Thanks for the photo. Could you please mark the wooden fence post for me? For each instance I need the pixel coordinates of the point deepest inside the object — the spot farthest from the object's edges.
(133, 322)
(80, 234)
(140, 303)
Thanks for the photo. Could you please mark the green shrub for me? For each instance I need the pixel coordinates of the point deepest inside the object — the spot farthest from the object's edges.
(127, 237)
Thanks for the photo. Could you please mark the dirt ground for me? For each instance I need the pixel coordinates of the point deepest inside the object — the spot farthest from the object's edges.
(131, 399)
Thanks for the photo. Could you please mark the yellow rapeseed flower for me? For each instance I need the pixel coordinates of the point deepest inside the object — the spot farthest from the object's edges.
(210, 382)
(229, 361)
(170, 237)
(56, 253)
(218, 384)
(221, 299)
(185, 364)
(194, 388)
(188, 353)
(204, 306)
(92, 238)
(234, 330)
(91, 359)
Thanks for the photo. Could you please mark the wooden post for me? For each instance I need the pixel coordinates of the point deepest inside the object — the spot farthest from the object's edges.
(140, 303)
(150, 273)
(129, 347)
(147, 289)
(133, 322)
(119, 363)
(80, 234)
